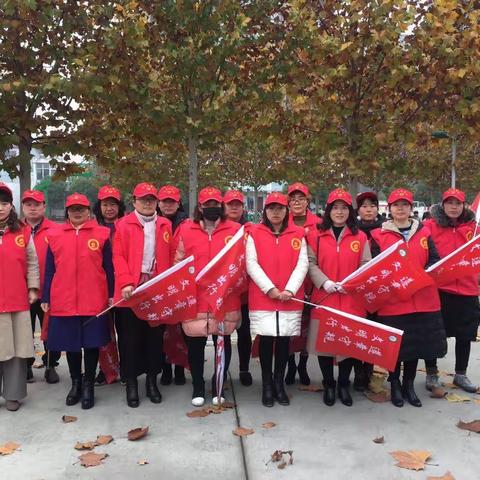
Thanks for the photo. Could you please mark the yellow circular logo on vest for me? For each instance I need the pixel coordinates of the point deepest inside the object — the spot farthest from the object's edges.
(469, 235)
(93, 244)
(296, 243)
(355, 246)
(166, 236)
(20, 241)
(424, 243)
(228, 238)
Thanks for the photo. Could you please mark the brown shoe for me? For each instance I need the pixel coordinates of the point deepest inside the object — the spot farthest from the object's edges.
(13, 405)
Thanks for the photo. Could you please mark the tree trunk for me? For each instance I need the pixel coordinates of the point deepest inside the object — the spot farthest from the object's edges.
(255, 199)
(353, 188)
(24, 163)
(192, 173)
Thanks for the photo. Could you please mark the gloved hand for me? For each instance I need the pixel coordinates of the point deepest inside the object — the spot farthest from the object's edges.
(329, 286)
(340, 289)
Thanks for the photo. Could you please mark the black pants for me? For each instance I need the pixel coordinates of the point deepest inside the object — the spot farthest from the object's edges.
(344, 370)
(142, 345)
(49, 358)
(265, 353)
(90, 358)
(244, 340)
(409, 370)
(462, 355)
(196, 357)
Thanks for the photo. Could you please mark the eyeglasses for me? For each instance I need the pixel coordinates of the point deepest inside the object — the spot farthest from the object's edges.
(297, 199)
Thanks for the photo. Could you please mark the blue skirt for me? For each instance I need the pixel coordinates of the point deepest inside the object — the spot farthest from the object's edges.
(71, 334)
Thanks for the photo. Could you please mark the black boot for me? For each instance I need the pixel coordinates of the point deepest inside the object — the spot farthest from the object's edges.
(73, 396)
(344, 394)
(132, 392)
(246, 378)
(302, 369)
(88, 399)
(179, 375)
(166, 378)
(292, 370)
(267, 390)
(360, 383)
(279, 389)
(329, 393)
(409, 393)
(152, 389)
(51, 375)
(396, 396)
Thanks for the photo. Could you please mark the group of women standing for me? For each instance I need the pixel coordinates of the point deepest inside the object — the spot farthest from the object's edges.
(291, 256)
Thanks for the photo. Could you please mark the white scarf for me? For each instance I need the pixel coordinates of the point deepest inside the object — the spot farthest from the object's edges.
(148, 223)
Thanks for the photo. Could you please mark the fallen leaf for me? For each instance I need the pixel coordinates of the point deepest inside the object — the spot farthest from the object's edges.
(38, 365)
(473, 426)
(103, 439)
(411, 459)
(215, 409)
(447, 476)
(142, 462)
(8, 448)
(92, 459)
(438, 392)
(450, 385)
(85, 446)
(311, 388)
(198, 413)
(228, 405)
(454, 398)
(242, 431)
(379, 440)
(69, 419)
(269, 425)
(137, 433)
(278, 457)
(380, 397)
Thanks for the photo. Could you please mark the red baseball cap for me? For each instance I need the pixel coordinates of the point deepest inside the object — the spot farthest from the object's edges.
(400, 194)
(36, 195)
(169, 191)
(77, 199)
(276, 197)
(232, 195)
(339, 194)
(209, 193)
(364, 195)
(143, 189)
(298, 187)
(5, 188)
(109, 192)
(455, 193)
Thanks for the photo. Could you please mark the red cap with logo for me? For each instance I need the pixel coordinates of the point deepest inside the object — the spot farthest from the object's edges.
(276, 197)
(298, 187)
(209, 193)
(77, 199)
(144, 189)
(455, 193)
(400, 194)
(339, 194)
(109, 192)
(5, 188)
(364, 195)
(36, 195)
(232, 195)
(169, 191)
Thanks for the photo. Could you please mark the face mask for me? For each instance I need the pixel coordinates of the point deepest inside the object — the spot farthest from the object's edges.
(212, 213)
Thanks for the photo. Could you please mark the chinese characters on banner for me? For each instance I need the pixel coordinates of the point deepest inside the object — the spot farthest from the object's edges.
(225, 273)
(340, 333)
(168, 298)
(462, 262)
(388, 277)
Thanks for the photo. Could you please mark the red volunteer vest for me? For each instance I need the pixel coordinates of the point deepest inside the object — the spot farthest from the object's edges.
(79, 286)
(278, 257)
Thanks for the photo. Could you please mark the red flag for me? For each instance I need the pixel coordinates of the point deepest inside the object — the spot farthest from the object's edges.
(170, 297)
(462, 262)
(475, 207)
(108, 356)
(387, 278)
(225, 273)
(341, 333)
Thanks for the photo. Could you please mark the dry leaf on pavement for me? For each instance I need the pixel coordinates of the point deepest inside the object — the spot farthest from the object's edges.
(451, 385)
(137, 433)
(103, 439)
(92, 459)
(228, 405)
(454, 398)
(473, 426)
(198, 413)
(69, 419)
(278, 457)
(242, 431)
(310, 388)
(380, 397)
(8, 448)
(268, 425)
(379, 440)
(438, 392)
(38, 365)
(447, 476)
(85, 446)
(411, 459)
(142, 462)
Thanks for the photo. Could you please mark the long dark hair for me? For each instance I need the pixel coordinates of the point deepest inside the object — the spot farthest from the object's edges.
(268, 224)
(13, 222)
(327, 221)
(97, 210)
(198, 215)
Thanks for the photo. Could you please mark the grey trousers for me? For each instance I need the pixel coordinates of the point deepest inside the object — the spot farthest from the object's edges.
(13, 378)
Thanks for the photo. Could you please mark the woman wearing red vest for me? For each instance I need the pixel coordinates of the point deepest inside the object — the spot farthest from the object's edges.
(141, 250)
(78, 285)
(277, 263)
(336, 250)
(419, 317)
(452, 225)
(301, 216)
(204, 237)
(19, 284)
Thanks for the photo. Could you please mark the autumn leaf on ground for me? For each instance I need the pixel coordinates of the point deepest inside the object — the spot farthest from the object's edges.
(379, 440)
(278, 457)
(215, 409)
(242, 431)
(438, 392)
(451, 385)
(228, 405)
(454, 398)
(411, 459)
(85, 446)
(198, 413)
(269, 425)
(92, 459)
(142, 462)
(38, 365)
(137, 433)
(380, 397)
(69, 419)
(310, 388)
(8, 448)
(473, 426)
(447, 476)
(103, 439)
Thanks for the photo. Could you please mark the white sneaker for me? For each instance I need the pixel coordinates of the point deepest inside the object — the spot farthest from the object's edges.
(198, 401)
(216, 402)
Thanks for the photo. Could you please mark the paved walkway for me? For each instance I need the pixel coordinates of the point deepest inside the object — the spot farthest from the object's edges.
(330, 443)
